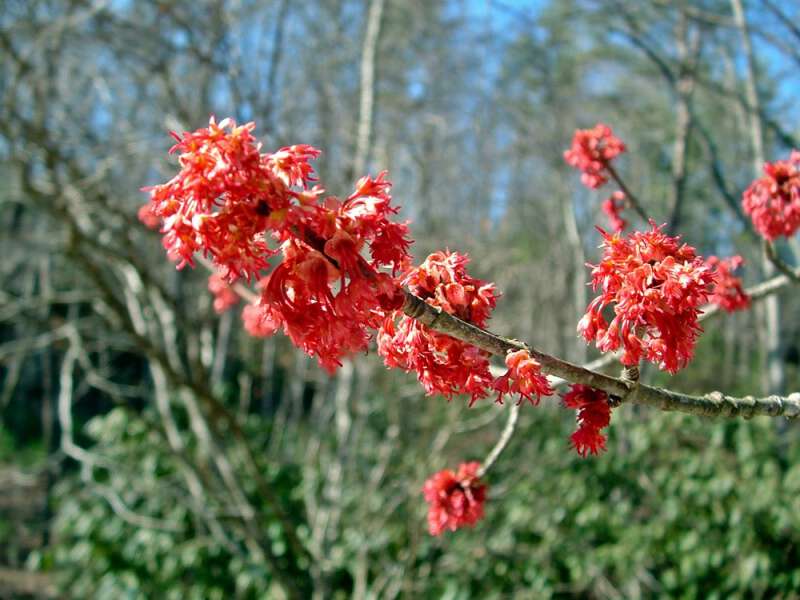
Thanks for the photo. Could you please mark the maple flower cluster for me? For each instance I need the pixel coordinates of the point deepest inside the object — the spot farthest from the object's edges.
(592, 151)
(243, 207)
(443, 364)
(455, 499)
(656, 286)
(224, 296)
(330, 273)
(728, 292)
(773, 201)
(593, 415)
(524, 378)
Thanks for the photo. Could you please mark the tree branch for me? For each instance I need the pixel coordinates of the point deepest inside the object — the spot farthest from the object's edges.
(633, 201)
(502, 442)
(771, 252)
(713, 404)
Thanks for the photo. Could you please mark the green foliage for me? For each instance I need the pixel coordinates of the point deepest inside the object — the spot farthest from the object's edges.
(101, 553)
(677, 507)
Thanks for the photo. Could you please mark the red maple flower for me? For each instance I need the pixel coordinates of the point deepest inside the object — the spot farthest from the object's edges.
(147, 217)
(728, 292)
(455, 499)
(656, 286)
(224, 296)
(594, 414)
(591, 152)
(299, 295)
(231, 201)
(773, 201)
(365, 216)
(524, 377)
(443, 364)
(227, 195)
(613, 207)
(259, 321)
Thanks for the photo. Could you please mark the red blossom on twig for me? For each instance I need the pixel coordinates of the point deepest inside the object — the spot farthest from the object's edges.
(524, 377)
(613, 207)
(773, 201)
(443, 364)
(593, 415)
(728, 292)
(655, 286)
(227, 195)
(591, 152)
(224, 296)
(230, 201)
(455, 499)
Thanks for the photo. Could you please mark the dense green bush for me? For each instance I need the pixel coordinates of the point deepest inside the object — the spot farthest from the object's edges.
(679, 507)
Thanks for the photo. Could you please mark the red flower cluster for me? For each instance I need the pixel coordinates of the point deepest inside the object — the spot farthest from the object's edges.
(224, 296)
(594, 414)
(228, 194)
(656, 286)
(613, 207)
(443, 364)
(148, 218)
(299, 296)
(728, 292)
(773, 201)
(591, 152)
(456, 499)
(229, 199)
(524, 377)
(257, 321)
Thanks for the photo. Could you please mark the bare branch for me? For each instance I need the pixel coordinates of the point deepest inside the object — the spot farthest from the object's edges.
(502, 442)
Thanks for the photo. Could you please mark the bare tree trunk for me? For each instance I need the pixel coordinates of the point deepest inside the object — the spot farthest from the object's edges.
(773, 372)
(367, 102)
(688, 46)
(579, 276)
(276, 53)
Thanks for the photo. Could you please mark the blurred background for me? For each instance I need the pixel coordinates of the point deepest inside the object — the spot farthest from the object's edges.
(150, 449)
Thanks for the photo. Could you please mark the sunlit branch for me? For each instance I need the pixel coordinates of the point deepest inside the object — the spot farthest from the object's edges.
(713, 404)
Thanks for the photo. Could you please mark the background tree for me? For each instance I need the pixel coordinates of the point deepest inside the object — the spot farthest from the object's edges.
(171, 453)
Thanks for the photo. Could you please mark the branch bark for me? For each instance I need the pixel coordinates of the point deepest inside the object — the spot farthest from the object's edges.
(713, 404)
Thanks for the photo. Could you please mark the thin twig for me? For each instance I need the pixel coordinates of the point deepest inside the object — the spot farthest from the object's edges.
(633, 201)
(772, 255)
(502, 442)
